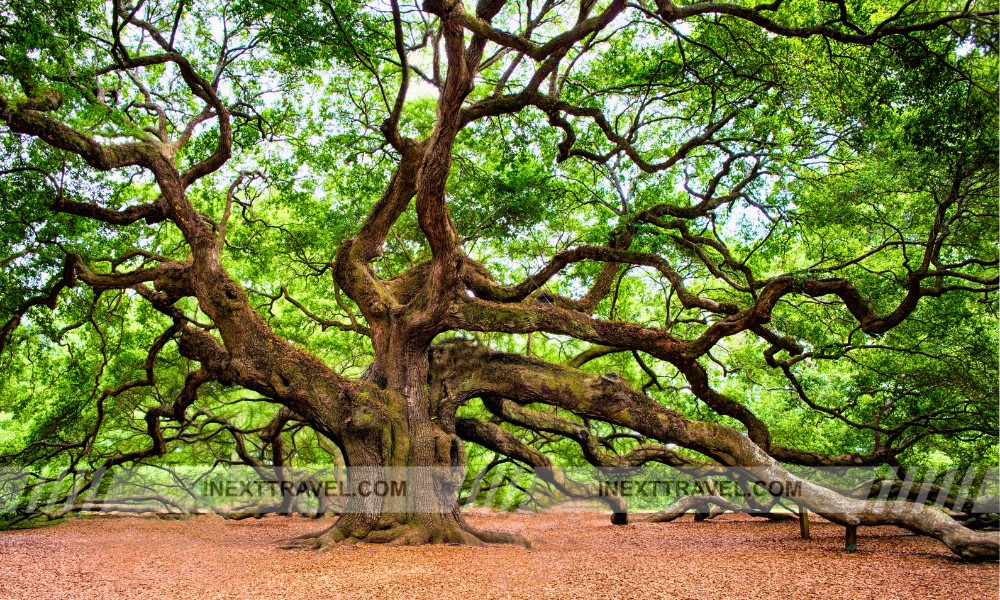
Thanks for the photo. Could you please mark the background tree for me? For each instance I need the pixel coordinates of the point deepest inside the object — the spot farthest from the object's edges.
(775, 222)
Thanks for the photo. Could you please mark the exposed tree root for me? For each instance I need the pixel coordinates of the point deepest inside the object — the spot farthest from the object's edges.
(402, 530)
(304, 541)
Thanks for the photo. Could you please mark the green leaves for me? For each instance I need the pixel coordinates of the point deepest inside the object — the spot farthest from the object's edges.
(731, 153)
(308, 34)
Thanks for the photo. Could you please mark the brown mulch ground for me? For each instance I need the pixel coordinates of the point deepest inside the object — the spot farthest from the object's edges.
(575, 555)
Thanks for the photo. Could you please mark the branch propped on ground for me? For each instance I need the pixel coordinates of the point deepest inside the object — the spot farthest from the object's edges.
(525, 380)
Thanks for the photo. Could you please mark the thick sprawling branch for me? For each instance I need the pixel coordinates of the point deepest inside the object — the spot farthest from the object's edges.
(151, 213)
(526, 381)
(30, 116)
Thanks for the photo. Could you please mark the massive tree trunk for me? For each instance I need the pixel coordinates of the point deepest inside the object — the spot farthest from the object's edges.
(395, 442)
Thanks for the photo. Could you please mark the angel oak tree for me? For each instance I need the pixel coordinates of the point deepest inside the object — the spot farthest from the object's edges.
(807, 186)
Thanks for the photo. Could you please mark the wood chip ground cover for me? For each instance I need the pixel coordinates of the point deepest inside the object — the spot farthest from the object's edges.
(575, 555)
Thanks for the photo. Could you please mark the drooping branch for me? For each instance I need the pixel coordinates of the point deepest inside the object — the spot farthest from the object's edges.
(706, 506)
(49, 299)
(494, 437)
(591, 444)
